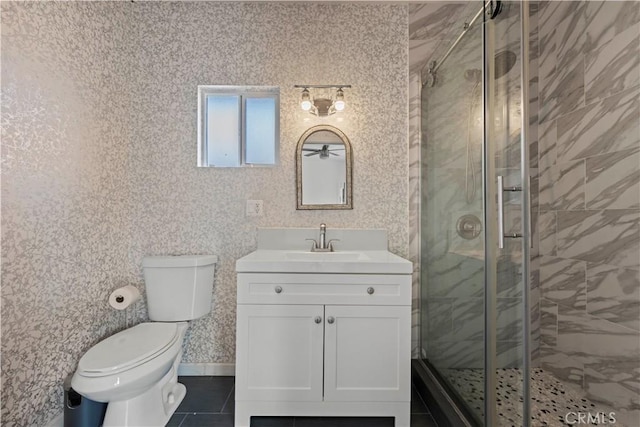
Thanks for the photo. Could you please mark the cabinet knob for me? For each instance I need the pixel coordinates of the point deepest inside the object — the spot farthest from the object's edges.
(278, 289)
(370, 290)
(331, 319)
(318, 319)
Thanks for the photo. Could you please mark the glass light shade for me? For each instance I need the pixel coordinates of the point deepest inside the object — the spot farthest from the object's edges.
(306, 100)
(339, 104)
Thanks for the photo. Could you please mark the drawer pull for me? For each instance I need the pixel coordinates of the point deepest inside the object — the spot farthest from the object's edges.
(278, 289)
(370, 290)
(331, 319)
(318, 319)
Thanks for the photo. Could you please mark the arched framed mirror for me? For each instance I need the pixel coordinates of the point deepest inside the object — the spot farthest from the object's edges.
(323, 169)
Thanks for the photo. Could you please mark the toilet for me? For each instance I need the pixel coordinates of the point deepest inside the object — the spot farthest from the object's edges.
(136, 371)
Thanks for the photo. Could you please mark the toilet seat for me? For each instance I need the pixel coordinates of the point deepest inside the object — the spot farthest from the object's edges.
(128, 349)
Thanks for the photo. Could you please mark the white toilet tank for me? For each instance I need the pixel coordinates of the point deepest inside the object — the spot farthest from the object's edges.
(178, 287)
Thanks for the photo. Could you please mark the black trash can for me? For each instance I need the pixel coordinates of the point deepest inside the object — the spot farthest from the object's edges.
(80, 411)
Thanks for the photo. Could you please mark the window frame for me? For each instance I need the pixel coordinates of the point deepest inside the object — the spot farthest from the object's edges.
(243, 92)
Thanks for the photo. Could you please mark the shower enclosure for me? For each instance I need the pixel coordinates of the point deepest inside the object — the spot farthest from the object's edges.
(475, 214)
(530, 210)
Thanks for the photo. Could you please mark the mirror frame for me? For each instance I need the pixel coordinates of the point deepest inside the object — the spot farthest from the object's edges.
(348, 164)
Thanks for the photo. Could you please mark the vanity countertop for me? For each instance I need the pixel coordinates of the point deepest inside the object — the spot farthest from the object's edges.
(346, 262)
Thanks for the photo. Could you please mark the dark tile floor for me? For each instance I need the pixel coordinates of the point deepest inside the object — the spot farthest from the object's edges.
(209, 403)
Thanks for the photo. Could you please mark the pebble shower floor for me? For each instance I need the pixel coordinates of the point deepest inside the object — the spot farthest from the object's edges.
(551, 399)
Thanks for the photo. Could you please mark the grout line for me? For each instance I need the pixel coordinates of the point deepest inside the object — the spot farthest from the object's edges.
(185, 415)
(224, 405)
(182, 421)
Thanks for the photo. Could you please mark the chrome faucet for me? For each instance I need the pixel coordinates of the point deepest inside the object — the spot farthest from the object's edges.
(323, 235)
(323, 246)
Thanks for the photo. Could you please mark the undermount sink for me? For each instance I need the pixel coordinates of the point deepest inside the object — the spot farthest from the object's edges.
(326, 256)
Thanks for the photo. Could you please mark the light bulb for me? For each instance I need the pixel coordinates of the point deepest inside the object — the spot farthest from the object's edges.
(306, 100)
(339, 104)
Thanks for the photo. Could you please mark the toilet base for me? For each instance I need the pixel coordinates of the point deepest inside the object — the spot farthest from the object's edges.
(154, 407)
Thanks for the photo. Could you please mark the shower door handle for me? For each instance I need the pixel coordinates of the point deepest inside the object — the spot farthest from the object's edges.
(500, 212)
(501, 235)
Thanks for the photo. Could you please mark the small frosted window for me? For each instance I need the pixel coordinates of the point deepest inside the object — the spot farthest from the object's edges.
(223, 130)
(238, 126)
(260, 131)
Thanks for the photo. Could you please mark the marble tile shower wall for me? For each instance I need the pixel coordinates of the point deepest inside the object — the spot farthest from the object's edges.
(64, 194)
(589, 160)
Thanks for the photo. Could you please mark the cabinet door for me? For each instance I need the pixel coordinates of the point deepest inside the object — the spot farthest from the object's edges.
(367, 353)
(279, 352)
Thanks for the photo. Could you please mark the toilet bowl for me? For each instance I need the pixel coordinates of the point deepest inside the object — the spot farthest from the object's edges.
(138, 365)
(136, 370)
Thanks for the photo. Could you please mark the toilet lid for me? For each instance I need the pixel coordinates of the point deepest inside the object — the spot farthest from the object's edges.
(128, 348)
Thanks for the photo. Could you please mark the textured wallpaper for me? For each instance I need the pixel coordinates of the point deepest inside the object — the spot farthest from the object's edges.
(99, 168)
(65, 215)
(178, 208)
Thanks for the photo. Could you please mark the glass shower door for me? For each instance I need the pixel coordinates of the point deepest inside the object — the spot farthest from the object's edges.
(507, 215)
(474, 298)
(452, 252)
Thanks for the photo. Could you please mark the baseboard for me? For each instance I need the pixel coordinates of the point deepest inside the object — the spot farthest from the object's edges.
(58, 421)
(207, 369)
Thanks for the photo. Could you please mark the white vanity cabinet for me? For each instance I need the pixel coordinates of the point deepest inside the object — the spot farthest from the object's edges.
(323, 345)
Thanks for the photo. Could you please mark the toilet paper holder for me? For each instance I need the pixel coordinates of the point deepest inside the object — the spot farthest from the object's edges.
(123, 297)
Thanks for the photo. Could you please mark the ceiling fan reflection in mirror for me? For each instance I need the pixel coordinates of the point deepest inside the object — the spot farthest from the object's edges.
(323, 152)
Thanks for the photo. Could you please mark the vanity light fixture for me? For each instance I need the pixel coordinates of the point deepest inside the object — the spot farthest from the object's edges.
(328, 100)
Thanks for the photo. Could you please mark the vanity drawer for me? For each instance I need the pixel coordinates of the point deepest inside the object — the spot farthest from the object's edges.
(369, 289)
